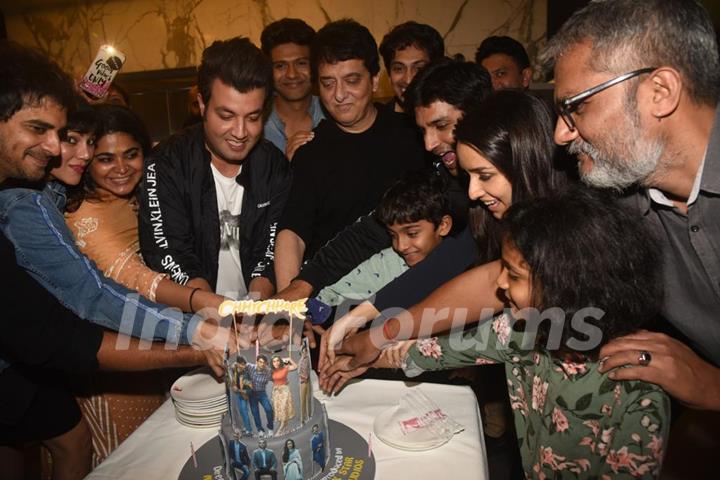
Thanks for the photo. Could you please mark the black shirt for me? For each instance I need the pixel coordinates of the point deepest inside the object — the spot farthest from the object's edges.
(341, 176)
(37, 331)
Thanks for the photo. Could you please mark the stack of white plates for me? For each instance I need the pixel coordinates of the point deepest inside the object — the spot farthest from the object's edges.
(200, 400)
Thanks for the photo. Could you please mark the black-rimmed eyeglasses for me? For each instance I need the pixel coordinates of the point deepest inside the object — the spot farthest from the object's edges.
(567, 106)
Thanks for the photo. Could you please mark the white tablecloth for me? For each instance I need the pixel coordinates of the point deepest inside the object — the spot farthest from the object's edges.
(161, 446)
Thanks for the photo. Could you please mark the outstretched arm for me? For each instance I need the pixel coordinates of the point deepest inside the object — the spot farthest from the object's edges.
(464, 300)
(289, 252)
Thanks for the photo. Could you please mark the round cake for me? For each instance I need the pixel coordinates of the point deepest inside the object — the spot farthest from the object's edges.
(274, 427)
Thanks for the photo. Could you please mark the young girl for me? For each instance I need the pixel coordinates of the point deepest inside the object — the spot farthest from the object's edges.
(591, 271)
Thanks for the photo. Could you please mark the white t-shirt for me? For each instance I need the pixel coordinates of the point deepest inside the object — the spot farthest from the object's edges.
(230, 282)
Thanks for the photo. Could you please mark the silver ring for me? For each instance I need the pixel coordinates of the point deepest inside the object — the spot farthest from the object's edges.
(644, 358)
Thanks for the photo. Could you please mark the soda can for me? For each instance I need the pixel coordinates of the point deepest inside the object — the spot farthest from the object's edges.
(108, 62)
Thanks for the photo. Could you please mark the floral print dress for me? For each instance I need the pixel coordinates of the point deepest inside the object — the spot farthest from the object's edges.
(571, 421)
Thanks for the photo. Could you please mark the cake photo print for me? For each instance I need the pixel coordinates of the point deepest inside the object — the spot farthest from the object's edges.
(275, 429)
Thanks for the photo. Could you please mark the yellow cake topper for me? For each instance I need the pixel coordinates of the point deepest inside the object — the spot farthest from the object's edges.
(295, 308)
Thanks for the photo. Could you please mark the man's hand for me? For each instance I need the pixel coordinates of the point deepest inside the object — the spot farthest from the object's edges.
(298, 139)
(212, 339)
(338, 374)
(674, 367)
(344, 327)
(331, 341)
(298, 289)
(260, 288)
(309, 331)
(361, 348)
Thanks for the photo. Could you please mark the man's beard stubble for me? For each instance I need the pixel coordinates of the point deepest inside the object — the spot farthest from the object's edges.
(631, 159)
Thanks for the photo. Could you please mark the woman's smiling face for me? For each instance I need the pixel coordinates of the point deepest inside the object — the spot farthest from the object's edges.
(487, 184)
(76, 151)
(117, 166)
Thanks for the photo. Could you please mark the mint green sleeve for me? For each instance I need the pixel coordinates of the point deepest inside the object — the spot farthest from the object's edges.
(365, 279)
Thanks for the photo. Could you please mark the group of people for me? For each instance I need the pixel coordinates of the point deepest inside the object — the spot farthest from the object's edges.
(264, 461)
(448, 215)
(248, 383)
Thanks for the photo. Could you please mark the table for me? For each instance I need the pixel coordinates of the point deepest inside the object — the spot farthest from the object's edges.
(161, 446)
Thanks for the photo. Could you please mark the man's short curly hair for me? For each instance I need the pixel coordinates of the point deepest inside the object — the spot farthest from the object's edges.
(27, 76)
(238, 63)
(286, 30)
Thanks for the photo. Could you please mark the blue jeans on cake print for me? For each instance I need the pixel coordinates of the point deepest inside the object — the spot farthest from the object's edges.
(244, 409)
(263, 399)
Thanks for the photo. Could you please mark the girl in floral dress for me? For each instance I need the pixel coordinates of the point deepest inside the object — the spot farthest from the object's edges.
(590, 270)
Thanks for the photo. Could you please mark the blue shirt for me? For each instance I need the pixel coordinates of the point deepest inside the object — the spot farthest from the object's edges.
(259, 379)
(45, 247)
(275, 128)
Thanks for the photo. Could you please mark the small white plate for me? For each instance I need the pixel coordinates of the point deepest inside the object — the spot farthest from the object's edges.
(387, 429)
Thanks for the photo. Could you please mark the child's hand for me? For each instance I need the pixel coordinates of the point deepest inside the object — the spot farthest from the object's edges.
(361, 348)
(346, 326)
(331, 341)
(395, 355)
(338, 374)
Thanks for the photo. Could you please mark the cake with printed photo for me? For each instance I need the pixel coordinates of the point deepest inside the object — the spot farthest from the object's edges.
(275, 428)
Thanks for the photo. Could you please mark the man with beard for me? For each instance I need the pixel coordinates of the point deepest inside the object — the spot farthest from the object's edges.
(355, 155)
(637, 89)
(42, 340)
(212, 195)
(295, 110)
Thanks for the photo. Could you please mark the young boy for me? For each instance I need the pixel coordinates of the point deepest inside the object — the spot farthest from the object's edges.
(416, 213)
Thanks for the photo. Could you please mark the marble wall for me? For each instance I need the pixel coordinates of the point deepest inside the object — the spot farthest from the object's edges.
(159, 34)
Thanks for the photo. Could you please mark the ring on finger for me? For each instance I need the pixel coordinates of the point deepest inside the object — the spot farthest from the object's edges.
(644, 358)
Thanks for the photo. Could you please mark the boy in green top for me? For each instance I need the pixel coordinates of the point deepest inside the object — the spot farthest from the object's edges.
(416, 213)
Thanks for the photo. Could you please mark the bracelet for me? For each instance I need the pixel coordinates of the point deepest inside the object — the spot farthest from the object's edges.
(192, 294)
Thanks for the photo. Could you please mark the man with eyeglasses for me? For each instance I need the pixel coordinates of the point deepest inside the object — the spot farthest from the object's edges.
(637, 87)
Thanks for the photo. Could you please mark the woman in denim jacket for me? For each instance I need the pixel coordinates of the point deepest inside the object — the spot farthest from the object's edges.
(33, 221)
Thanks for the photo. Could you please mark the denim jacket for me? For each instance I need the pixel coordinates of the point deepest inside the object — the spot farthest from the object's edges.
(45, 247)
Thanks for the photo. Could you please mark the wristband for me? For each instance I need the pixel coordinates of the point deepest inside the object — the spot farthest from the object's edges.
(192, 294)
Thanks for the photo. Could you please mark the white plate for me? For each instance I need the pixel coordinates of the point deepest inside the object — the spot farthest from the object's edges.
(388, 430)
(197, 386)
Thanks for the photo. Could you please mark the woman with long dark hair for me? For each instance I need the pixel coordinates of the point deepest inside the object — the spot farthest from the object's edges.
(505, 145)
(292, 461)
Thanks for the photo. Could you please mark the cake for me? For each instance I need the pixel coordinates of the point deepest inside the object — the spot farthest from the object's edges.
(274, 428)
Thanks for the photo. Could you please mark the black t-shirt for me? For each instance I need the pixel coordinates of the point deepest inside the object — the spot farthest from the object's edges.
(341, 176)
(37, 332)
